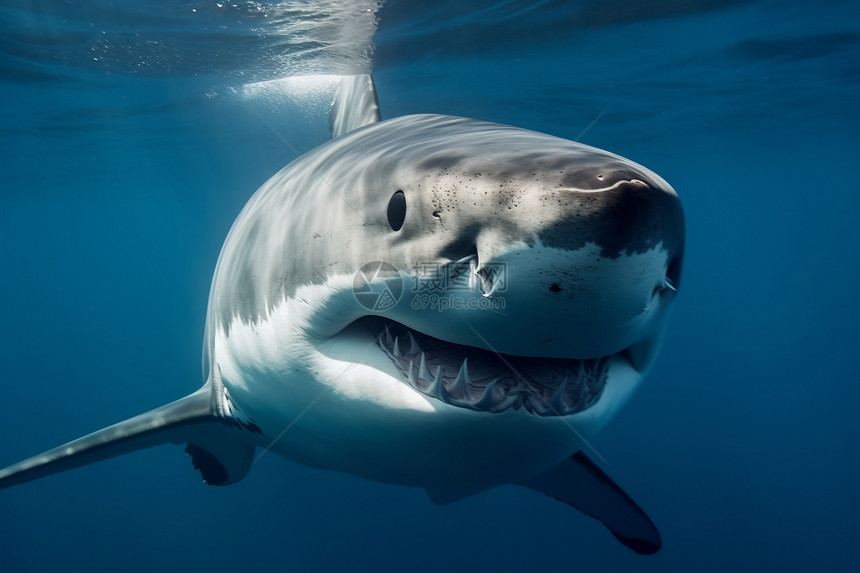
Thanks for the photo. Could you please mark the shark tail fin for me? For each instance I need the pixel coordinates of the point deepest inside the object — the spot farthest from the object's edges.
(354, 105)
(214, 440)
(579, 482)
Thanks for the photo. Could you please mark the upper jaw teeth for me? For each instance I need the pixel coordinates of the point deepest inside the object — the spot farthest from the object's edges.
(491, 382)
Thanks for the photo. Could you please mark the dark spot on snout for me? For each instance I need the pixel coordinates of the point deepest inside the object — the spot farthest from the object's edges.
(554, 287)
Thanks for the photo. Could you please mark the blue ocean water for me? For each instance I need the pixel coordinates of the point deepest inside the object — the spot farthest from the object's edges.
(132, 134)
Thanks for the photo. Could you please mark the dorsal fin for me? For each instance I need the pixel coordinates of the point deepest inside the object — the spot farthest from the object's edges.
(196, 419)
(354, 105)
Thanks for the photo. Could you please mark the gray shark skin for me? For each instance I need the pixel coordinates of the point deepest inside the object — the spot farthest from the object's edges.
(430, 301)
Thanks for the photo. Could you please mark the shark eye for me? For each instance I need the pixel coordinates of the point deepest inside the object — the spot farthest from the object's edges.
(397, 210)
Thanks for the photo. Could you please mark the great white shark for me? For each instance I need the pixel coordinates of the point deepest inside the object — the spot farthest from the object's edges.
(430, 301)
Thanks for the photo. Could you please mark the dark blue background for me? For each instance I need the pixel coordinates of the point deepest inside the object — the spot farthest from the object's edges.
(118, 189)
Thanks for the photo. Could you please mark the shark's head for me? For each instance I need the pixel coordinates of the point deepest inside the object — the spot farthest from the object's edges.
(484, 267)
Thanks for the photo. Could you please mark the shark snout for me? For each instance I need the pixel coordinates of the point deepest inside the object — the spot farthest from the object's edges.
(566, 273)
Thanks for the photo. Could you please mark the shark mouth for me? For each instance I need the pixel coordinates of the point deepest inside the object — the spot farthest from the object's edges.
(481, 380)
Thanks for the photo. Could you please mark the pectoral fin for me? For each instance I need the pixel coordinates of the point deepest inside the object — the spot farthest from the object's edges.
(217, 443)
(579, 482)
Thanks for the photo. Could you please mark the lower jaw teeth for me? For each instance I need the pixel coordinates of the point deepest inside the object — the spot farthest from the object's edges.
(566, 387)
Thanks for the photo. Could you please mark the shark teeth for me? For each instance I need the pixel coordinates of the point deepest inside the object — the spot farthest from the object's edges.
(486, 401)
(423, 371)
(437, 387)
(413, 345)
(557, 400)
(410, 377)
(483, 381)
(461, 383)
